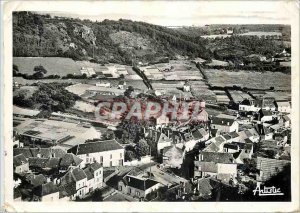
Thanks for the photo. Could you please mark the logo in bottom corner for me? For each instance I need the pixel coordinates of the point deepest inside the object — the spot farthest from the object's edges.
(266, 191)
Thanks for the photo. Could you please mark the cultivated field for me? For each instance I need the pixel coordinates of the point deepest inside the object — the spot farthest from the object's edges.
(249, 79)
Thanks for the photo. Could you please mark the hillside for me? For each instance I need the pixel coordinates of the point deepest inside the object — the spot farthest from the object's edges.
(36, 35)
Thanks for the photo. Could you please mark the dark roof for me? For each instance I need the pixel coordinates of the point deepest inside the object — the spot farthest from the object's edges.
(247, 140)
(207, 166)
(204, 187)
(227, 137)
(36, 180)
(100, 146)
(139, 183)
(265, 112)
(19, 160)
(78, 174)
(88, 173)
(46, 189)
(67, 190)
(231, 146)
(248, 146)
(199, 133)
(95, 166)
(217, 157)
(38, 162)
(17, 193)
(222, 121)
(70, 159)
(286, 118)
(239, 144)
(53, 163)
(44, 152)
(234, 134)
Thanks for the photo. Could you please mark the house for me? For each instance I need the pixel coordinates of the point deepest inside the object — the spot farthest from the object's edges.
(162, 141)
(186, 87)
(224, 124)
(231, 148)
(107, 153)
(204, 188)
(94, 173)
(121, 84)
(283, 106)
(20, 164)
(264, 131)
(77, 179)
(35, 180)
(173, 157)
(269, 167)
(200, 135)
(248, 106)
(39, 152)
(264, 115)
(234, 137)
(70, 160)
(162, 120)
(215, 144)
(287, 121)
(137, 186)
(246, 153)
(219, 165)
(47, 192)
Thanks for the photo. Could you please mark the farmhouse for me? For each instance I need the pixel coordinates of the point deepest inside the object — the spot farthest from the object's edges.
(107, 153)
(283, 106)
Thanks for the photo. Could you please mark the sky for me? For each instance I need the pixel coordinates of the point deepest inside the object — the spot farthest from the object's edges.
(176, 13)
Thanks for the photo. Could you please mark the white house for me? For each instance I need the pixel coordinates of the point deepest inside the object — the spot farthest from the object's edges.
(137, 186)
(107, 153)
(283, 106)
(224, 124)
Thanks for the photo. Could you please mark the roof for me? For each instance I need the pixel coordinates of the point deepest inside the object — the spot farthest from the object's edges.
(270, 166)
(234, 134)
(38, 162)
(207, 166)
(287, 118)
(36, 180)
(95, 166)
(199, 133)
(88, 173)
(19, 160)
(227, 137)
(283, 103)
(248, 146)
(231, 146)
(265, 112)
(46, 189)
(93, 147)
(217, 157)
(53, 163)
(216, 143)
(204, 187)
(67, 189)
(222, 121)
(70, 159)
(141, 184)
(78, 174)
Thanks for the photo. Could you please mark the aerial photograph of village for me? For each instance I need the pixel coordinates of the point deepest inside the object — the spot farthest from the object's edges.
(131, 111)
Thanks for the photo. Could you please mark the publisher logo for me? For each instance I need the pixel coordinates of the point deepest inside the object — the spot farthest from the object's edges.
(266, 191)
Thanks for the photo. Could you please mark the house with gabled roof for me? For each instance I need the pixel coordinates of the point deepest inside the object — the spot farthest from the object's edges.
(246, 153)
(162, 141)
(107, 153)
(215, 144)
(224, 124)
(173, 157)
(70, 160)
(137, 187)
(200, 135)
(215, 164)
(283, 106)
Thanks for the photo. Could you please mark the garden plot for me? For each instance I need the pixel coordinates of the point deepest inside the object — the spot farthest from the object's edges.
(249, 79)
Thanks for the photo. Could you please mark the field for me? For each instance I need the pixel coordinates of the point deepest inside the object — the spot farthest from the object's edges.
(201, 91)
(62, 66)
(249, 79)
(258, 33)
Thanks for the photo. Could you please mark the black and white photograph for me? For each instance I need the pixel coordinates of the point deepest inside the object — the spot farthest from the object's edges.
(142, 105)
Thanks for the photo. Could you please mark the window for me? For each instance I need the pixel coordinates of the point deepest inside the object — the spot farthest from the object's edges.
(96, 173)
(137, 193)
(110, 156)
(120, 155)
(87, 160)
(120, 188)
(110, 163)
(101, 159)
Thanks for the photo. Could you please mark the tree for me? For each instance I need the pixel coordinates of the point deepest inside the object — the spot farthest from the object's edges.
(97, 195)
(128, 92)
(142, 148)
(40, 68)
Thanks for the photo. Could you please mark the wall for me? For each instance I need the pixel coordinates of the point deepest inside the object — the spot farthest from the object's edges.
(116, 156)
(227, 169)
(81, 187)
(22, 168)
(144, 160)
(51, 197)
